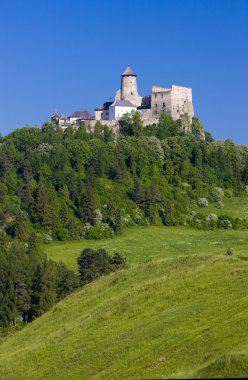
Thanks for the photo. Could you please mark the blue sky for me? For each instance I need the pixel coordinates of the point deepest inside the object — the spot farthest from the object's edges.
(68, 55)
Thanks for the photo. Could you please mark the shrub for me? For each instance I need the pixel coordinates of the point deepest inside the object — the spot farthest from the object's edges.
(93, 264)
(229, 193)
(202, 202)
(211, 220)
(226, 224)
(47, 238)
(62, 234)
(219, 205)
(216, 194)
(98, 231)
(117, 261)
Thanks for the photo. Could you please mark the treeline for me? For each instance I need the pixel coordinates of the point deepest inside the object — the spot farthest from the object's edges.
(30, 284)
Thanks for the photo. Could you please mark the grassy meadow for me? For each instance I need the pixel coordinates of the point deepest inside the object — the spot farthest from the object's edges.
(179, 310)
(236, 207)
(140, 244)
(179, 317)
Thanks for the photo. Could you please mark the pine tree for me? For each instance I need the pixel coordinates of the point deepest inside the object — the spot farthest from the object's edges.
(87, 206)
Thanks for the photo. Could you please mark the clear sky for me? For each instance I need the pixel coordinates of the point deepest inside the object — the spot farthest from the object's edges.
(68, 55)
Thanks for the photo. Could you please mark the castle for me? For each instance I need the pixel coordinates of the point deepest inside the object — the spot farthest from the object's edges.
(173, 101)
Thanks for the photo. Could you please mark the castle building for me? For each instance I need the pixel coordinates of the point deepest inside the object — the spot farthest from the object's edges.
(102, 112)
(173, 101)
(119, 108)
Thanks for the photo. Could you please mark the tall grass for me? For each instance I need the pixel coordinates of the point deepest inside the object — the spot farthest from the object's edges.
(167, 318)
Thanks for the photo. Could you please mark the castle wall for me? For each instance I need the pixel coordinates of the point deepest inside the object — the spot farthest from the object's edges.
(113, 124)
(147, 117)
(173, 102)
(101, 114)
(161, 102)
(181, 101)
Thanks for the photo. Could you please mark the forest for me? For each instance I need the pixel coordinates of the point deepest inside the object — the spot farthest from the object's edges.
(82, 184)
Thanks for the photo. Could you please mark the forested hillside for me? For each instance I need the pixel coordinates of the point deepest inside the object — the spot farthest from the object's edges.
(78, 184)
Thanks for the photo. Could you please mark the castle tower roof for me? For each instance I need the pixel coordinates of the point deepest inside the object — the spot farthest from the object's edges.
(128, 72)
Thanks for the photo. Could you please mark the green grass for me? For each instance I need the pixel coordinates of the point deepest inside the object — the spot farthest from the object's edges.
(177, 317)
(142, 243)
(179, 310)
(236, 207)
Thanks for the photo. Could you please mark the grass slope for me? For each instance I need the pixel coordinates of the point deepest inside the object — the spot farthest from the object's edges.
(139, 244)
(236, 207)
(172, 318)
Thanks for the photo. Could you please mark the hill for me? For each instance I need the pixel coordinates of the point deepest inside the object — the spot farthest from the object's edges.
(173, 318)
(139, 244)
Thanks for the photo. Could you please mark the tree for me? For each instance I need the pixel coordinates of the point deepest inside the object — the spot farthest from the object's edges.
(43, 290)
(185, 123)
(131, 124)
(20, 228)
(93, 264)
(67, 282)
(87, 205)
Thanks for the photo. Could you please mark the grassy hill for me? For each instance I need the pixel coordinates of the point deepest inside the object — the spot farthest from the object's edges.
(140, 244)
(236, 207)
(176, 316)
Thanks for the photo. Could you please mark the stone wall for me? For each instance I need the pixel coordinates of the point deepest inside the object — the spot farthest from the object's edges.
(173, 102)
(101, 114)
(147, 117)
(161, 101)
(129, 90)
(113, 124)
(181, 101)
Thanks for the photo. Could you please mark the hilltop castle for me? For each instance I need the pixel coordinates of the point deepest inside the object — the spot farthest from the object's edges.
(173, 101)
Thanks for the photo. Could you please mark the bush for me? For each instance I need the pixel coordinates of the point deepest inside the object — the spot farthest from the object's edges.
(62, 234)
(219, 205)
(211, 220)
(202, 202)
(226, 224)
(229, 252)
(98, 231)
(93, 264)
(216, 194)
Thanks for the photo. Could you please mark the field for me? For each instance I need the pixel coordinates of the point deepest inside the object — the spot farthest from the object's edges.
(178, 311)
(236, 207)
(144, 243)
(179, 317)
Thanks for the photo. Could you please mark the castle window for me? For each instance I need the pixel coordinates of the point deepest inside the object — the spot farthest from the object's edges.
(155, 96)
(131, 93)
(156, 105)
(156, 111)
(163, 104)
